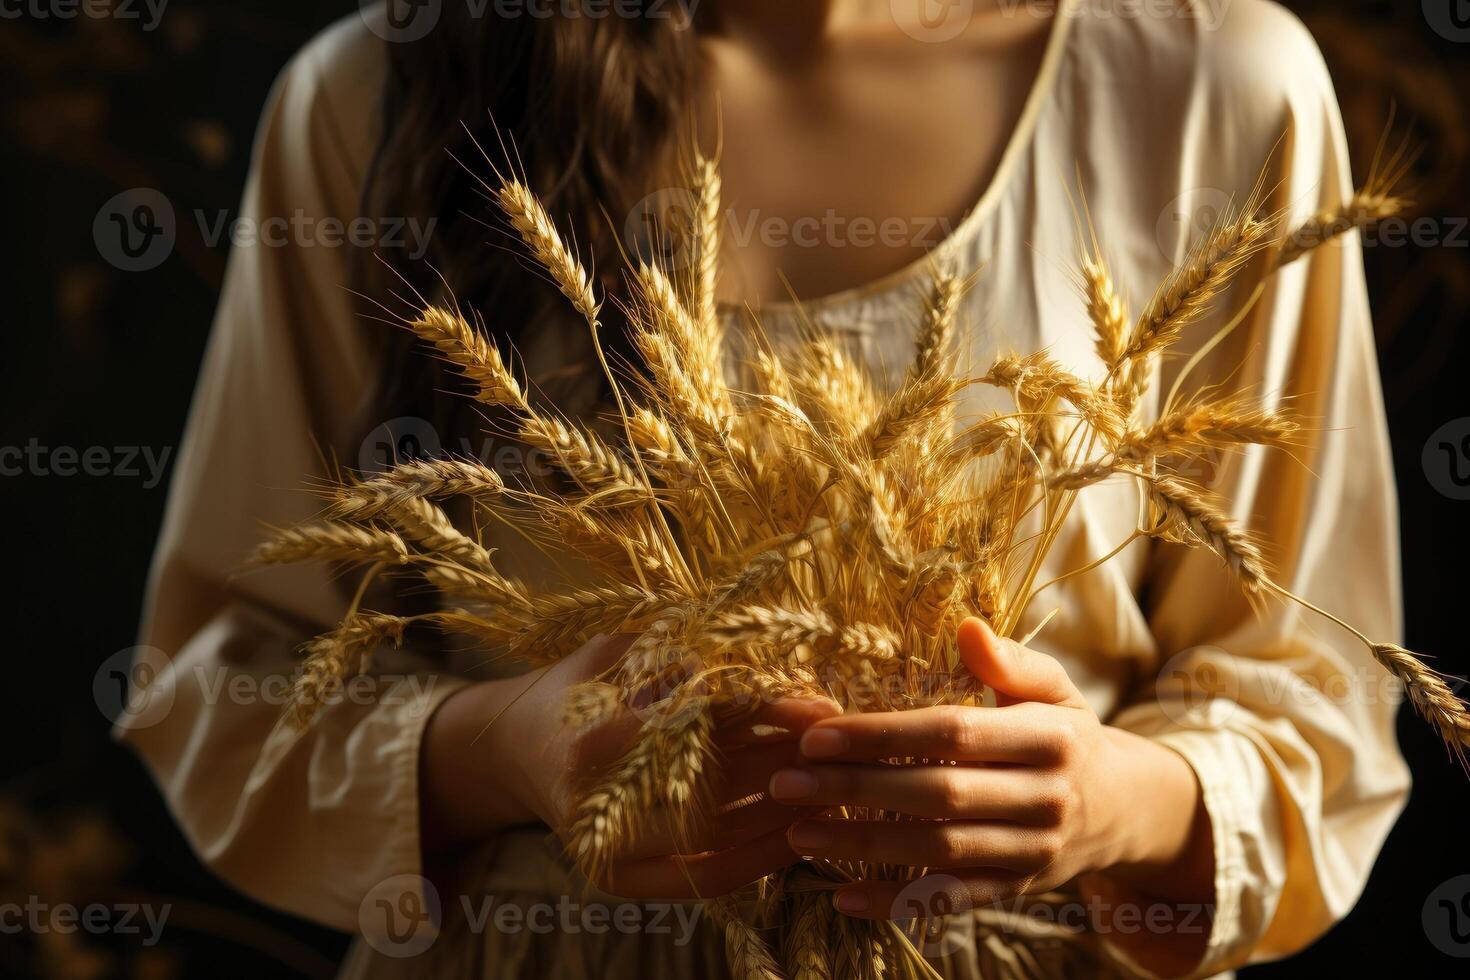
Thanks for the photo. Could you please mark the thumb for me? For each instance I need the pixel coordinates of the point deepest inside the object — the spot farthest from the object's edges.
(1014, 672)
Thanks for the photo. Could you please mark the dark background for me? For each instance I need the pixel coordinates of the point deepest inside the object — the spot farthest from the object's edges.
(97, 357)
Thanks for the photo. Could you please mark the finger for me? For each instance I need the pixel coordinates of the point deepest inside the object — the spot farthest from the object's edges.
(1015, 673)
(952, 792)
(954, 733)
(929, 897)
(736, 783)
(746, 772)
(702, 875)
(726, 829)
(927, 843)
(780, 721)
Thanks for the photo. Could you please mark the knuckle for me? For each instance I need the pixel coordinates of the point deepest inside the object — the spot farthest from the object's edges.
(956, 727)
(951, 797)
(1057, 802)
(951, 844)
(1047, 848)
(1061, 741)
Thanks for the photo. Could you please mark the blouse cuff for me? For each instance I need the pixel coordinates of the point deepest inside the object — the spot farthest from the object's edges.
(1238, 796)
(401, 867)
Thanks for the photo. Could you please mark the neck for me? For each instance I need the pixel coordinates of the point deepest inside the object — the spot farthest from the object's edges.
(792, 29)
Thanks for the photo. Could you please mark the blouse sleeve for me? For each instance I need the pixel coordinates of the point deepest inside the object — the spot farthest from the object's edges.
(1285, 718)
(308, 822)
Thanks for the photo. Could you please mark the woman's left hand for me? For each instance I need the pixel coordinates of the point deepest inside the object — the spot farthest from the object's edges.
(1019, 798)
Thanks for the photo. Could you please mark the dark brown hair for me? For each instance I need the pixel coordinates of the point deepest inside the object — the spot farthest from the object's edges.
(587, 105)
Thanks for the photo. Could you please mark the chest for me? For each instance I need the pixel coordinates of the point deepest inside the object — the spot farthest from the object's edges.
(861, 160)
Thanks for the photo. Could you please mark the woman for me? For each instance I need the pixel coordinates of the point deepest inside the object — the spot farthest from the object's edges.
(1195, 836)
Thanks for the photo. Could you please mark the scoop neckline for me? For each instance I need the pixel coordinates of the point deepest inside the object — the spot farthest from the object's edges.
(1018, 142)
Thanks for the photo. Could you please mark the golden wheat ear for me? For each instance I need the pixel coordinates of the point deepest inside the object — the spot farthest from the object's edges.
(334, 656)
(1363, 210)
(1380, 197)
(706, 243)
(529, 218)
(467, 350)
(749, 956)
(809, 952)
(331, 541)
(431, 479)
(1187, 295)
(1430, 695)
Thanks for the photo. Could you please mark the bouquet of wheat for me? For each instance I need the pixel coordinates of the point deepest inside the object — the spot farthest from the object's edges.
(800, 534)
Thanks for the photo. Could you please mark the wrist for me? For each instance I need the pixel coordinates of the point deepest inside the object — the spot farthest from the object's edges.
(1164, 846)
(470, 785)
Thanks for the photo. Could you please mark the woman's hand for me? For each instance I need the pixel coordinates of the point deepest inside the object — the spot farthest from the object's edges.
(1019, 798)
(498, 754)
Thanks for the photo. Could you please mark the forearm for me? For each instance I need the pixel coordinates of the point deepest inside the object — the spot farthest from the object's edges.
(1166, 848)
(470, 784)
(1166, 858)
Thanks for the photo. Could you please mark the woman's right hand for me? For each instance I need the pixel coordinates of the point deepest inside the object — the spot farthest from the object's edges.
(497, 754)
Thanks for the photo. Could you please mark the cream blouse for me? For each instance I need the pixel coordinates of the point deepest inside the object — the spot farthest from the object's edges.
(1157, 120)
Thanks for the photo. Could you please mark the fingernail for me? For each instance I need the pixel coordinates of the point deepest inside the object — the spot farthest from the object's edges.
(824, 743)
(851, 901)
(806, 837)
(792, 784)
